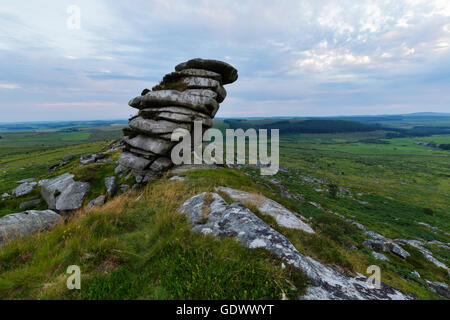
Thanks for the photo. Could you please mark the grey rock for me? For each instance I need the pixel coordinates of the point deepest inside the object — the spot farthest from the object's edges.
(129, 160)
(204, 83)
(72, 197)
(266, 206)
(149, 126)
(380, 256)
(229, 73)
(237, 221)
(24, 189)
(399, 251)
(51, 186)
(192, 73)
(26, 180)
(374, 235)
(155, 99)
(26, 223)
(416, 274)
(63, 193)
(202, 93)
(176, 178)
(426, 253)
(440, 288)
(151, 144)
(177, 117)
(120, 168)
(5, 195)
(29, 203)
(88, 159)
(111, 186)
(161, 164)
(99, 201)
(379, 245)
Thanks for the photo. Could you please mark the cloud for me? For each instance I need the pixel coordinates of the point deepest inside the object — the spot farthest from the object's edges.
(293, 57)
(9, 86)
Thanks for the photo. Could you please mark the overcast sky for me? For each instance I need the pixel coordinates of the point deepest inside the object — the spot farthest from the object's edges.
(295, 58)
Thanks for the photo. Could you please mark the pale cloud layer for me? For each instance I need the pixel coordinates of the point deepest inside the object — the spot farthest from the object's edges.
(295, 58)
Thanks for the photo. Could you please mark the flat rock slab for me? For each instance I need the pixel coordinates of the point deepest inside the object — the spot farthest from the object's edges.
(129, 160)
(163, 98)
(266, 206)
(26, 223)
(192, 73)
(24, 189)
(153, 145)
(237, 221)
(149, 126)
(229, 73)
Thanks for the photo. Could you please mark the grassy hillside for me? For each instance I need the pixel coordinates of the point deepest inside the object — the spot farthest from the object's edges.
(137, 246)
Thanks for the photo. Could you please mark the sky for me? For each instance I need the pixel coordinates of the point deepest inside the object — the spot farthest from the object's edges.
(295, 58)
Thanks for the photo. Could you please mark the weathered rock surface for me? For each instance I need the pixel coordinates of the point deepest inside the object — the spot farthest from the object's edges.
(5, 195)
(129, 160)
(229, 73)
(425, 252)
(99, 201)
(163, 98)
(266, 206)
(24, 189)
(183, 97)
(237, 221)
(154, 127)
(153, 145)
(26, 223)
(63, 193)
(111, 186)
(386, 246)
(441, 288)
(380, 256)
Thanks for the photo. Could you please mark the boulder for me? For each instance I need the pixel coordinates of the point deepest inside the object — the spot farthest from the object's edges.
(266, 206)
(24, 189)
(229, 73)
(235, 220)
(380, 256)
(26, 223)
(72, 197)
(5, 195)
(399, 251)
(99, 201)
(63, 193)
(129, 160)
(153, 145)
(161, 164)
(441, 288)
(378, 245)
(192, 73)
(163, 98)
(111, 186)
(149, 126)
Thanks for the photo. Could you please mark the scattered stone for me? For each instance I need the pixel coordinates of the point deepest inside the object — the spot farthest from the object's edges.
(30, 203)
(176, 178)
(26, 180)
(5, 195)
(97, 202)
(63, 193)
(441, 288)
(387, 246)
(237, 221)
(266, 206)
(380, 256)
(93, 158)
(426, 253)
(26, 223)
(111, 186)
(416, 274)
(24, 189)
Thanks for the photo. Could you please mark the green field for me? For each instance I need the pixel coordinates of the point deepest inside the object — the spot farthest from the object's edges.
(387, 184)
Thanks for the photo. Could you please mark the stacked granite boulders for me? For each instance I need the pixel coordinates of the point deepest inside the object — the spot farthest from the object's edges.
(191, 93)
